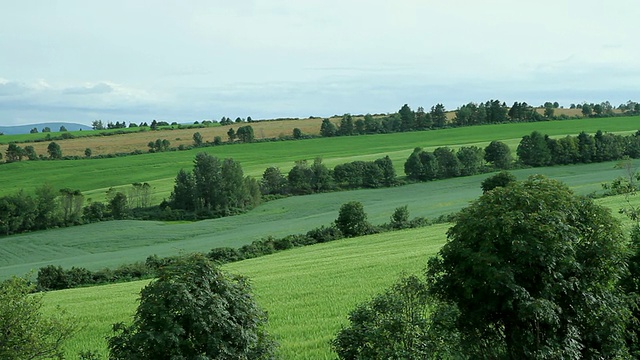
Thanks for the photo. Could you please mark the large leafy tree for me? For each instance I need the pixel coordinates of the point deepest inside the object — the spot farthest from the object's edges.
(532, 269)
(193, 310)
(534, 150)
(499, 154)
(352, 220)
(25, 331)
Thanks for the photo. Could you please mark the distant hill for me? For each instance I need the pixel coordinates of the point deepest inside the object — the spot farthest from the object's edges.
(54, 126)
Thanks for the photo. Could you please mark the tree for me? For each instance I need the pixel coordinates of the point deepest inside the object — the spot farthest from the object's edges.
(245, 134)
(54, 151)
(300, 178)
(273, 182)
(87, 152)
(532, 270)
(33, 131)
(448, 163)
(587, 110)
(501, 179)
(438, 116)
(352, 220)
(193, 310)
(388, 171)
(346, 125)
(97, 125)
(297, 133)
(118, 206)
(533, 150)
(413, 167)
(321, 179)
(197, 139)
(393, 325)
(499, 154)
(62, 128)
(400, 218)
(549, 111)
(231, 134)
(328, 129)
(30, 152)
(407, 117)
(471, 160)
(46, 129)
(14, 153)
(25, 331)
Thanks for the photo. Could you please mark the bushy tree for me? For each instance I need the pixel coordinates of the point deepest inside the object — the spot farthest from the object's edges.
(471, 160)
(197, 139)
(533, 150)
(193, 310)
(54, 151)
(245, 134)
(352, 220)
(328, 129)
(393, 325)
(498, 154)
(500, 179)
(532, 269)
(273, 182)
(25, 331)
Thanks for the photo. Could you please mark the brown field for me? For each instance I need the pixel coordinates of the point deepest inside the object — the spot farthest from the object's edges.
(124, 143)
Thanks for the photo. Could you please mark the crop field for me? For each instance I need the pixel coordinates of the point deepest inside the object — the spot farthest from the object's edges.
(109, 244)
(307, 292)
(95, 176)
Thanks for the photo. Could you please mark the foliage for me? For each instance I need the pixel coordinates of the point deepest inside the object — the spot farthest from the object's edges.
(193, 310)
(532, 269)
(352, 220)
(54, 151)
(500, 179)
(393, 325)
(25, 332)
(499, 154)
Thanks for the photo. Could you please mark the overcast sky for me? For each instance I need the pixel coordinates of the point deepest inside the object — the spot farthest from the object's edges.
(183, 61)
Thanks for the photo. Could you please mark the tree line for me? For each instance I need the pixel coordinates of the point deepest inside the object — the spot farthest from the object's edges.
(489, 112)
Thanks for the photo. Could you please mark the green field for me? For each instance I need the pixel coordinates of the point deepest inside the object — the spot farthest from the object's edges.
(95, 176)
(109, 244)
(307, 292)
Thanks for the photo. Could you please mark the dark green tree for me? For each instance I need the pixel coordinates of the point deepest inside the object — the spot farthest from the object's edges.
(197, 139)
(245, 134)
(33, 131)
(193, 310)
(118, 206)
(300, 178)
(532, 269)
(346, 125)
(26, 331)
(54, 151)
(586, 148)
(438, 116)
(471, 160)
(321, 179)
(533, 150)
(388, 171)
(400, 218)
(501, 179)
(297, 133)
(413, 167)
(407, 117)
(47, 207)
(273, 182)
(14, 153)
(352, 220)
(328, 129)
(393, 325)
(30, 152)
(231, 134)
(183, 195)
(87, 152)
(498, 154)
(448, 164)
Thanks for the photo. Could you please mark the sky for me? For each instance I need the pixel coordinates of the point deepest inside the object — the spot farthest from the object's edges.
(184, 61)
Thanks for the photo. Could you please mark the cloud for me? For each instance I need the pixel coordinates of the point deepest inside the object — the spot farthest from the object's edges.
(99, 88)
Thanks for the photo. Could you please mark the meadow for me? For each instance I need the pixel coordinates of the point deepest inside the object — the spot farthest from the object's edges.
(95, 176)
(109, 244)
(307, 292)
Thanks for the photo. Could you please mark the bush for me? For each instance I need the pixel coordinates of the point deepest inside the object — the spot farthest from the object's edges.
(194, 311)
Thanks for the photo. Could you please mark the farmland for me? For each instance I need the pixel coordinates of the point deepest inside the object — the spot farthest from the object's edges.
(307, 291)
(94, 176)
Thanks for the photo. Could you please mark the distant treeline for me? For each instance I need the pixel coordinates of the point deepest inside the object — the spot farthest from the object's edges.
(489, 112)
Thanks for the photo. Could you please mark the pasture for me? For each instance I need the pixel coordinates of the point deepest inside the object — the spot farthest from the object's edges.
(109, 244)
(307, 292)
(94, 176)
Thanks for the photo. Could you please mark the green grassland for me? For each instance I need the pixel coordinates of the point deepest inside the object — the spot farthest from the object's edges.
(95, 176)
(307, 292)
(109, 244)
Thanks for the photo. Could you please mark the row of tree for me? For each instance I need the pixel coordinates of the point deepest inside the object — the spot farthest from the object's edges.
(214, 187)
(48, 208)
(489, 112)
(17, 153)
(537, 149)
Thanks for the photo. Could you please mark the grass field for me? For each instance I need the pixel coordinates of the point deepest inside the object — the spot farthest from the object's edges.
(112, 243)
(307, 292)
(95, 176)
